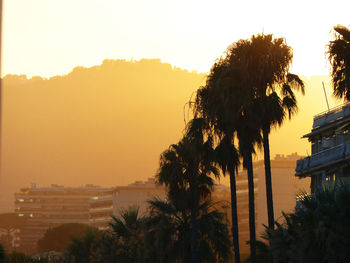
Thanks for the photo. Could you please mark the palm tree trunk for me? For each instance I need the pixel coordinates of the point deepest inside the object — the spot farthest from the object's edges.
(269, 199)
(194, 235)
(235, 234)
(251, 208)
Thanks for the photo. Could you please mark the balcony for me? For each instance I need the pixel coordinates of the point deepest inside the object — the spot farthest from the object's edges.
(322, 159)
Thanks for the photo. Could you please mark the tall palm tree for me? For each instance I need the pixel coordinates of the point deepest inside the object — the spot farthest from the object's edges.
(186, 169)
(265, 70)
(248, 137)
(230, 105)
(217, 105)
(228, 160)
(339, 57)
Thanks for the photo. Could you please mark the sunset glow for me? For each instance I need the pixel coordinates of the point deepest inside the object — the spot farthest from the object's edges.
(46, 38)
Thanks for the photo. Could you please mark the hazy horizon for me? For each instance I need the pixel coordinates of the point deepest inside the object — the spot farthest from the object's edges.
(108, 124)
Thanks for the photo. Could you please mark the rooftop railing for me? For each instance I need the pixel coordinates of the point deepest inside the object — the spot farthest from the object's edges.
(333, 114)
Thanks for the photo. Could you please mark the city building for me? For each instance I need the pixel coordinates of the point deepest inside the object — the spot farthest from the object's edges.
(46, 207)
(285, 186)
(330, 149)
(136, 194)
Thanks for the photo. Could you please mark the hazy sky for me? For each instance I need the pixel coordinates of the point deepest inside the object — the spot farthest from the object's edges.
(50, 37)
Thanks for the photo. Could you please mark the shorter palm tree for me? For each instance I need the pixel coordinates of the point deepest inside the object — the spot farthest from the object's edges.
(186, 169)
(128, 231)
(169, 232)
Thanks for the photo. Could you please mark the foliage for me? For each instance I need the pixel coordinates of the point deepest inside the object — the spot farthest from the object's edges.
(339, 56)
(81, 249)
(248, 91)
(128, 231)
(318, 231)
(169, 233)
(108, 249)
(186, 169)
(57, 238)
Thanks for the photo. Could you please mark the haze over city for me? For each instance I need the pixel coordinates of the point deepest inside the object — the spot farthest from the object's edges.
(97, 123)
(174, 131)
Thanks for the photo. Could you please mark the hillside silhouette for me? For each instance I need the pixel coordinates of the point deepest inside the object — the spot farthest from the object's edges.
(108, 124)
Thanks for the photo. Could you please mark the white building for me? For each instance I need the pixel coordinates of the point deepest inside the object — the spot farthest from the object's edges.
(330, 148)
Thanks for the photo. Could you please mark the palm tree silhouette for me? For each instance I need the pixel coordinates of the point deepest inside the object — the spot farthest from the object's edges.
(229, 108)
(339, 57)
(265, 70)
(127, 229)
(216, 104)
(186, 169)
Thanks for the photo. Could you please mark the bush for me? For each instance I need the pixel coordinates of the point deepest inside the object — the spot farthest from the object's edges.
(317, 232)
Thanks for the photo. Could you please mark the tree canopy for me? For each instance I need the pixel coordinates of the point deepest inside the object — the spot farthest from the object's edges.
(57, 238)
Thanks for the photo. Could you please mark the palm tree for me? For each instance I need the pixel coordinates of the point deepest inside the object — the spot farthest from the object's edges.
(248, 137)
(186, 169)
(228, 160)
(215, 103)
(339, 57)
(169, 227)
(265, 70)
(128, 231)
(229, 107)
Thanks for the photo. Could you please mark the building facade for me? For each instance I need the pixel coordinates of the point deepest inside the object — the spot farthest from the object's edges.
(330, 149)
(121, 197)
(285, 186)
(46, 207)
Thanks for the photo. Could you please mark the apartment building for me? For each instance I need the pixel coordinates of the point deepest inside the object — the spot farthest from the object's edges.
(330, 149)
(46, 207)
(136, 194)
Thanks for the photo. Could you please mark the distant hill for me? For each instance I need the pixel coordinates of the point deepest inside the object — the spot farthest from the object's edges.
(105, 125)
(108, 124)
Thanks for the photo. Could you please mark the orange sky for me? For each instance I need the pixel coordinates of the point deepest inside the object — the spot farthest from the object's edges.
(48, 37)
